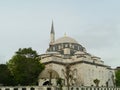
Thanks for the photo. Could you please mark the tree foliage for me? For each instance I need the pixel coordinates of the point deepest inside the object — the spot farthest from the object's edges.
(96, 81)
(28, 52)
(25, 67)
(5, 75)
(67, 74)
(117, 74)
(60, 83)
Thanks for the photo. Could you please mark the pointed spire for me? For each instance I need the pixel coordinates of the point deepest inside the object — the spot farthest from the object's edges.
(52, 34)
(52, 28)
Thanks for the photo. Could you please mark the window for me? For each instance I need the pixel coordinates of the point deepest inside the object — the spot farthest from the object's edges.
(72, 88)
(32, 88)
(59, 47)
(23, 88)
(48, 88)
(77, 88)
(15, 88)
(53, 48)
(7, 89)
(66, 45)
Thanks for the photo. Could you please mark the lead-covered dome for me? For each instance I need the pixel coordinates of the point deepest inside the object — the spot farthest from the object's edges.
(65, 45)
(65, 39)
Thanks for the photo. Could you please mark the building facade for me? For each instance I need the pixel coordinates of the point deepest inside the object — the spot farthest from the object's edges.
(69, 61)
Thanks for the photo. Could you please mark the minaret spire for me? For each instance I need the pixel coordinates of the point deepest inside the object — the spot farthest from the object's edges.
(52, 34)
(52, 28)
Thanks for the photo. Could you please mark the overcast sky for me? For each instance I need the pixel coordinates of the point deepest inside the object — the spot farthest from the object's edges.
(95, 24)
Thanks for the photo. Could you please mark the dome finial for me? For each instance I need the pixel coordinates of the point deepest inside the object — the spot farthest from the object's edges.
(65, 34)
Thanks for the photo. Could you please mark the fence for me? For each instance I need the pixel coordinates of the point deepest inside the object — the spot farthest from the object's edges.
(56, 88)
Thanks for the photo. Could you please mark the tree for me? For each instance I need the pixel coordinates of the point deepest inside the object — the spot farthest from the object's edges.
(117, 80)
(96, 81)
(68, 73)
(60, 83)
(25, 67)
(5, 75)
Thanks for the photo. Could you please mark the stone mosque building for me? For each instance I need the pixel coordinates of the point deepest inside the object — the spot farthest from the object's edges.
(69, 61)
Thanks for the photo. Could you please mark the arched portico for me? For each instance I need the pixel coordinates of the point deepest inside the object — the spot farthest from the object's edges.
(48, 77)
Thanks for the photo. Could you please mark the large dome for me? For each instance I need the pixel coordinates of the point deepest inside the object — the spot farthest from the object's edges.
(65, 45)
(65, 39)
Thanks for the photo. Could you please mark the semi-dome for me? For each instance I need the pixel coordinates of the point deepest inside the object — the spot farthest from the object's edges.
(65, 39)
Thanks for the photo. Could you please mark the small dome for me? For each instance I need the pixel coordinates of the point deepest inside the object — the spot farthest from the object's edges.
(65, 39)
(45, 74)
(95, 57)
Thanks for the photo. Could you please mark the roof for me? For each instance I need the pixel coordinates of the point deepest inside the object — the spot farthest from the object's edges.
(65, 39)
(79, 52)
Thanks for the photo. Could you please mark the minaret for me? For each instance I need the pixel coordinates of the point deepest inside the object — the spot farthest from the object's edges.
(52, 34)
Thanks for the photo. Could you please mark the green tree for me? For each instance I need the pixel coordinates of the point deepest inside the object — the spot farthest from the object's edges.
(59, 83)
(117, 74)
(25, 67)
(5, 75)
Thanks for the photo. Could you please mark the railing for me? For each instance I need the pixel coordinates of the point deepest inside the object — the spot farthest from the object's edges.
(56, 88)
(94, 88)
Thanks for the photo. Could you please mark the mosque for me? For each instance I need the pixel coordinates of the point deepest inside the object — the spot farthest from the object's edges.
(69, 61)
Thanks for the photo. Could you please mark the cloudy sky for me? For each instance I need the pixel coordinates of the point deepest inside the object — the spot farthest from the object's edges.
(95, 24)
